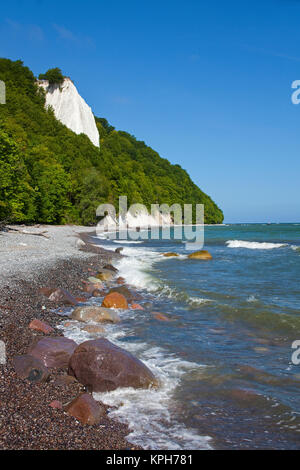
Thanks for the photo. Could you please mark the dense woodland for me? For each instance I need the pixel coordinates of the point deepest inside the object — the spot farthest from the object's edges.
(49, 174)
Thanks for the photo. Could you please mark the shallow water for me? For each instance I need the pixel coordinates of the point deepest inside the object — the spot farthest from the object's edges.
(224, 359)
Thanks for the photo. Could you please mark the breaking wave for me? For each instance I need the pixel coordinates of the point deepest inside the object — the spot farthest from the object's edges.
(254, 245)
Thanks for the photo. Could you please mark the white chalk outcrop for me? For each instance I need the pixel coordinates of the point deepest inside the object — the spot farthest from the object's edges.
(140, 219)
(71, 109)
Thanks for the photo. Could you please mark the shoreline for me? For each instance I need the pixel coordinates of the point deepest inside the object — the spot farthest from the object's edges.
(26, 419)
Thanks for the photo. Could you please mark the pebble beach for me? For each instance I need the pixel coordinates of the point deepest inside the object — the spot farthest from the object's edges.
(28, 263)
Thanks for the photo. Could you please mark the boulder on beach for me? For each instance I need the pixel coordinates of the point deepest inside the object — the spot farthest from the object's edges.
(124, 291)
(41, 326)
(56, 405)
(53, 352)
(118, 250)
(169, 255)
(90, 287)
(103, 366)
(110, 267)
(95, 313)
(94, 329)
(120, 280)
(202, 254)
(95, 280)
(85, 409)
(46, 291)
(115, 300)
(105, 275)
(62, 296)
(30, 368)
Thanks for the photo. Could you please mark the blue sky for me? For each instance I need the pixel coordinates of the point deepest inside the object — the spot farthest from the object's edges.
(206, 84)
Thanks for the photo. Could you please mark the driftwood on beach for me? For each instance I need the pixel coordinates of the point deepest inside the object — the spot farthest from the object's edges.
(27, 232)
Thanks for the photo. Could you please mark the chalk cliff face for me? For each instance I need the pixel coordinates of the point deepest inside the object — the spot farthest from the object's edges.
(141, 219)
(71, 109)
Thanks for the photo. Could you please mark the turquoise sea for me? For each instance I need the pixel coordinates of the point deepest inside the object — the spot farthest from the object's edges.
(224, 358)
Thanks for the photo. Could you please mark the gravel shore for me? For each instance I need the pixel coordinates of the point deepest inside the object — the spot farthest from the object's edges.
(21, 254)
(28, 263)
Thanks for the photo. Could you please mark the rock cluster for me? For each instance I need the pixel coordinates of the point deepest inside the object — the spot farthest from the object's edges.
(98, 364)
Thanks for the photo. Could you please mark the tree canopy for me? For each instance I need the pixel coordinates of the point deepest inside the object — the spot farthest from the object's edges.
(54, 76)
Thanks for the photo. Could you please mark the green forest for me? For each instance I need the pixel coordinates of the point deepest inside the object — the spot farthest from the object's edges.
(48, 174)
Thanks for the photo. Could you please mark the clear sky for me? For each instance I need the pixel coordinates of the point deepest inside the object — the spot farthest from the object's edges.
(205, 83)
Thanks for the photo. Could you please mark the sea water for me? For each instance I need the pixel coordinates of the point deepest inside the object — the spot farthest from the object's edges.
(224, 357)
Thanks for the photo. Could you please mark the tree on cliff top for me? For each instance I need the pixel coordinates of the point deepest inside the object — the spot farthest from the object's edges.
(54, 76)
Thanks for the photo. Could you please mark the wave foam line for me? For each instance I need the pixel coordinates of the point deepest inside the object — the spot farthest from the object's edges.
(254, 245)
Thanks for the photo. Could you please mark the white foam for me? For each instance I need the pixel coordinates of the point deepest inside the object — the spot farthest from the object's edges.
(254, 245)
(295, 247)
(135, 267)
(198, 300)
(129, 242)
(252, 298)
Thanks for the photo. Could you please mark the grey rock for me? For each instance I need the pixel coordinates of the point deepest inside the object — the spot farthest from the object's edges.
(2, 353)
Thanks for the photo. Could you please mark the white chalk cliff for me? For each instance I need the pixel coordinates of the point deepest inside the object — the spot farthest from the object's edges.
(139, 219)
(71, 109)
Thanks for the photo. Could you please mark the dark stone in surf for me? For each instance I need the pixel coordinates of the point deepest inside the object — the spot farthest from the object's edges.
(103, 366)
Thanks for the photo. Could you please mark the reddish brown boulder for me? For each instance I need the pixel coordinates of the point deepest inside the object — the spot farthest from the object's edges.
(53, 352)
(89, 287)
(123, 291)
(41, 326)
(103, 366)
(120, 280)
(115, 300)
(30, 368)
(136, 307)
(85, 409)
(56, 405)
(62, 296)
(244, 395)
(46, 291)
